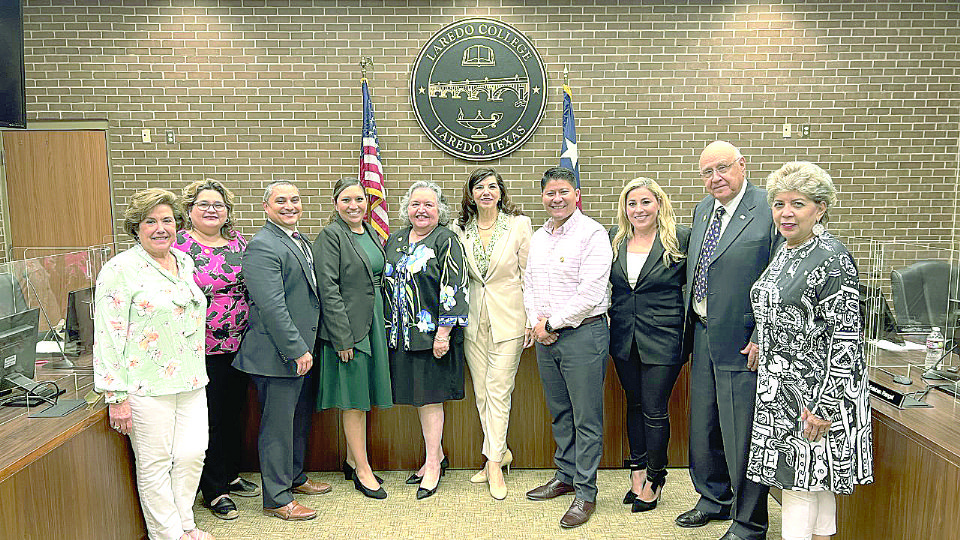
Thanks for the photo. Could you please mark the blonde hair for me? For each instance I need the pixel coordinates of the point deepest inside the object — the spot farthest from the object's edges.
(666, 221)
(193, 189)
(142, 202)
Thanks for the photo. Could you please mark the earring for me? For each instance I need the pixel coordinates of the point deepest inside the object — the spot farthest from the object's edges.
(819, 229)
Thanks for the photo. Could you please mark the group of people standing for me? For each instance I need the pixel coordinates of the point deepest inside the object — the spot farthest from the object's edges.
(765, 300)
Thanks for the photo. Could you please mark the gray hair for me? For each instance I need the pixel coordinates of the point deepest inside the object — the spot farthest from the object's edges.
(805, 178)
(442, 207)
(268, 191)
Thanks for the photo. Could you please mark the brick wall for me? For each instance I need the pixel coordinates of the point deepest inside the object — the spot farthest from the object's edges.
(256, 91)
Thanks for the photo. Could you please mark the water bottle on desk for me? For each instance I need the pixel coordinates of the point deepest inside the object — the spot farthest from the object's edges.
(934, 348)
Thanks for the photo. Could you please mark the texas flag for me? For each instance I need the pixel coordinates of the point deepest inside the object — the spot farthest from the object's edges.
(568, 152)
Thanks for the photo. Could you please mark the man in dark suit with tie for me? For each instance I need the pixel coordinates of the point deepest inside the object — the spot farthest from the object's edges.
(277, 350)
(731, 243)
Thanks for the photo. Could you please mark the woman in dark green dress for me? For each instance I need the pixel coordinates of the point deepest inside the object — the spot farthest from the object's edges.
(351, 344)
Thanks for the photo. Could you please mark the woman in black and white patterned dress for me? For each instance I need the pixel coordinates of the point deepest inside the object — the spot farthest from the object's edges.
(811, 428)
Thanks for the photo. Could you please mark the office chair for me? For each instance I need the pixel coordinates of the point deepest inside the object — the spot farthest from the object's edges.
(920, 293)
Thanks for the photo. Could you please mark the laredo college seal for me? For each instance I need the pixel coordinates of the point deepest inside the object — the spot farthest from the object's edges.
(478, 89)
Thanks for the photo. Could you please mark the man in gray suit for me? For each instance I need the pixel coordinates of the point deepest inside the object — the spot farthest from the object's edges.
(731, 243)
(277, 350)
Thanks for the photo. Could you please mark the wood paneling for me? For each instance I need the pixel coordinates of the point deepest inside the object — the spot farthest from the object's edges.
(66, 478)
(916, 489)
(58, 189)
(395, 442)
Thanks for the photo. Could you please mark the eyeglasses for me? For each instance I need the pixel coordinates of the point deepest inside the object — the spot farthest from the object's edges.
(721, 168)
(204, 206)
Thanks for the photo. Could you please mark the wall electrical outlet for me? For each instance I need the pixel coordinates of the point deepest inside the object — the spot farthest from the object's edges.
(787, 131)
(170, 137)
(145, 135)
(805, 131)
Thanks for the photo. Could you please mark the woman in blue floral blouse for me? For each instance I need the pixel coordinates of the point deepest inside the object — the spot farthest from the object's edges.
(425, 282)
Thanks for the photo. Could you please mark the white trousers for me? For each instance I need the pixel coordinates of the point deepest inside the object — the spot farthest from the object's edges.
(806, 513)
(169, 440)
(493, 368)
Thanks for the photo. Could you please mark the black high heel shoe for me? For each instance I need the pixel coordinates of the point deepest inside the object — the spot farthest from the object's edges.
(415, 478)
(633, 465)
(640, 505)
(378, 494)
(423, 493)
(348, 472)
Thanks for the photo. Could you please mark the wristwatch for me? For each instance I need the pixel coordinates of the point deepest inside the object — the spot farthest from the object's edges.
(548, 327)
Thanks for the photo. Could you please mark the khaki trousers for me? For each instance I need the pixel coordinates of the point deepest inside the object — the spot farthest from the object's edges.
(493, 367)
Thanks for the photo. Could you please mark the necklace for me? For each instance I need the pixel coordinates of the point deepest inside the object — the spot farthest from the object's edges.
(490, 226)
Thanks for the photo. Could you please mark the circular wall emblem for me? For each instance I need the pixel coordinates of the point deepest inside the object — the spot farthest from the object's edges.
(478, 89)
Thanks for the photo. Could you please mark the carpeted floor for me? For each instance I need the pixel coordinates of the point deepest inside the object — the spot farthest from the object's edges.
(462, 511)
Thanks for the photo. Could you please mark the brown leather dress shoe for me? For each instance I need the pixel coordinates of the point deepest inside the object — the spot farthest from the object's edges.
(312, 488)
(553, 488)
(578, 513)
(293, 511)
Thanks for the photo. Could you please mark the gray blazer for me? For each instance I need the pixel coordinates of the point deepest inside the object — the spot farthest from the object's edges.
(284, 305)
(346, 283)
(743, 252)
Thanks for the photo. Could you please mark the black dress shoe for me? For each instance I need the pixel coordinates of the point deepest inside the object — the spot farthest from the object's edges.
(697, 518)
(416, 479)
(348, 472)
(730, 536)
(640, 505)
(629, 497)
(373, 494)
(243, 488)
(223, 507)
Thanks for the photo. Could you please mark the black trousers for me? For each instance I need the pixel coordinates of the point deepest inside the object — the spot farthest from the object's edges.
(225, 399)
(647, 389)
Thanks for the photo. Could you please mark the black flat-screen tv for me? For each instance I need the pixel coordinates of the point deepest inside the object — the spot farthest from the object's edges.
(13, 90)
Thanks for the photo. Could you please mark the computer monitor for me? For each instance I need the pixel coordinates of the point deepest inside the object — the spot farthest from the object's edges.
(18, 350)
(78, 326)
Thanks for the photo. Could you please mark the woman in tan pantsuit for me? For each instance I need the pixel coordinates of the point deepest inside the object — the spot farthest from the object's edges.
(496, 238)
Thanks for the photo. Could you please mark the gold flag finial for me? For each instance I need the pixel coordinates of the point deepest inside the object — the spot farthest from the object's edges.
(365, 62)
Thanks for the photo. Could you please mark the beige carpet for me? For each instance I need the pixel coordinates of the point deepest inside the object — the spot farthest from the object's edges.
(461, 511)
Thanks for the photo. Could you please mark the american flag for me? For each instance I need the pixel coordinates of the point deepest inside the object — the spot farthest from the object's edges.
(371, 171)
(569, 157)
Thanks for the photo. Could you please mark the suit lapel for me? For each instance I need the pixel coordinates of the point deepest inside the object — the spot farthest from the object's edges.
(738, 222)
(699, 230)
(499, 247)
(291, 244)
(656, 253)
(348, 234)
(621, 264)
(471, 260)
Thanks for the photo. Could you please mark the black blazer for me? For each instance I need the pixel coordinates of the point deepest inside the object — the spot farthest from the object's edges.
(284, 306)
(649, 314)
(345, 281)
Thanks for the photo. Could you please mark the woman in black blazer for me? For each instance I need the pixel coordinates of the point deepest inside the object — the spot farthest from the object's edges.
(351, 344)
(646, 328)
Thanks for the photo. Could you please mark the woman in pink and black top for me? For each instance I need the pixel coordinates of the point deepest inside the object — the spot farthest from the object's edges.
(216, 250)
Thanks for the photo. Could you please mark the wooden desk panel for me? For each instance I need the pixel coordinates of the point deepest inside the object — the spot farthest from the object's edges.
(395, 442)
(66, 478)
